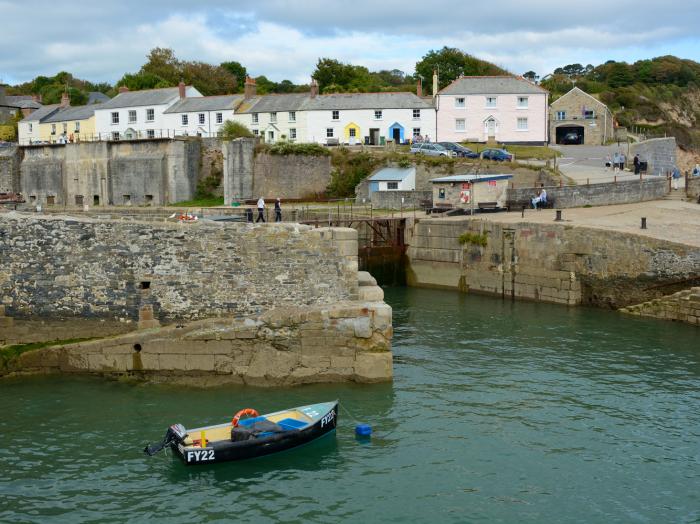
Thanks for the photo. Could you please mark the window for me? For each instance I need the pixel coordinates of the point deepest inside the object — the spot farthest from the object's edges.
(132, 116)
(273, 117)
(30, 128)
(329, 132)
(256, 132)
(292, 133)
(115, 118)
(150, 114)
(201, 118)
(292, 116)
(271, 136)
(53, 129)
(522, 102)
(588, 114)
(522, 124)
(65, 127)
(441, 193)
(77, 127)
(416, 132)
(392, 185)
(219, 118)
(416, 113)
(460, 102)
(150, 133)
(255, 118)
(336, 115)
(460, 125)
(561, 115)
(377, 114)
(115, 135)
(490, 101)
(352, 132)
(185, 120)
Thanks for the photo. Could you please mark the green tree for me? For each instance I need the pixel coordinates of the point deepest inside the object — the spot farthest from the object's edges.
(531, 76)
(231, 130)
(237, 70)
(451, 63)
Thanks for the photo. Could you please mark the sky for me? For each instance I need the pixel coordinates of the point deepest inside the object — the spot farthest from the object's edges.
(284, 39)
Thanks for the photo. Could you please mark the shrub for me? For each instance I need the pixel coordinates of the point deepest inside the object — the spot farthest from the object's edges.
(477, 239)
(231, 130)
(292, 148)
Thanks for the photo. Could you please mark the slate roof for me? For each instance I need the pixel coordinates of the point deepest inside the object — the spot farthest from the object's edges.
(491, 85)
(205, 103)
(41, 113)
(147, 97)
(337, 101)
(392, 174)
(22, 101)
(95, 97)
(72, 113)
(470, 178)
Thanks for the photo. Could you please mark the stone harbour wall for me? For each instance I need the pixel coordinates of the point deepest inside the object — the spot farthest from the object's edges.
(659, 153)
(290, 176)
(393, 199)
(683, 306)
(57, 267)
(693, 188)
(285, 346)
(9, 169)
(548, 262)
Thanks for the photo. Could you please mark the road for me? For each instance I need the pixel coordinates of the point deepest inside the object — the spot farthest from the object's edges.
(586, 164)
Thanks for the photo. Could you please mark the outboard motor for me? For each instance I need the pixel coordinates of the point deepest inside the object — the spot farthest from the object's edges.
(176, 434)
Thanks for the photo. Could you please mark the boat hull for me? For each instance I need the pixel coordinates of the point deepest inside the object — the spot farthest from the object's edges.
(225, 451)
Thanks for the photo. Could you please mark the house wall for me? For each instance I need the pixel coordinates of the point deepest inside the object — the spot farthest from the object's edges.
(28, 132)
(597, 131)
(193, 128)
(319, 121)
(506, 114)
(479, 192)
(87, 130)
(282, 124)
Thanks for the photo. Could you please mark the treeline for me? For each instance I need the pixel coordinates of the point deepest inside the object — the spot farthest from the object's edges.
(163, 69)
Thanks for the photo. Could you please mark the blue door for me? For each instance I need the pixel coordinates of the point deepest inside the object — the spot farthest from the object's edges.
(373, 186)
(396, 133)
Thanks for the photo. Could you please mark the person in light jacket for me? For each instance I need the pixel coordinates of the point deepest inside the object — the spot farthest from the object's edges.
(261, 210)
(676, 176)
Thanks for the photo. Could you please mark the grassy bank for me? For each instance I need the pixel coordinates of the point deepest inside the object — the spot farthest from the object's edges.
(9, 354)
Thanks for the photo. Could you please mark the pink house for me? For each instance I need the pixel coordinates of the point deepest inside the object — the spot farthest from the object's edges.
(506, 109)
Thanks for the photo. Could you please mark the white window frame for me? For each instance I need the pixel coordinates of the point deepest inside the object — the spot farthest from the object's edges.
(330, 133)
(77, 127)
(115, 118)
(393, 185)
(273, 117)
(523, 102)
(292, 116)
(591, 111)
(53, 129)
(256, 132)
(150, 114)
(460, 102)
(491, 102)
(132, 116)
(352, 132)
(115, 136)
(219, 118)
(31, 128)
(378, 114)
(65, 127)
(255, 118)
(416, 132)
(150, 133)
(522, 123)
(335, 114)
(202, 118)
(416, 114)
(271, 136)
(460, 125)
(185, 119)
(292, 133)
(561, 115)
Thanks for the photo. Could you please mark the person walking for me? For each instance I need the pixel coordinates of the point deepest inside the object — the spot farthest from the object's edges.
(623, 159)
(636, 164)
(278, 211)
(676, 176)
(261, 210)
(616, 161)
(696, 170)
(608, 162)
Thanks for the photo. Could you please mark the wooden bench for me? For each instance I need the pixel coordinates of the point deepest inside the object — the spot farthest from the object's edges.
(488, 206)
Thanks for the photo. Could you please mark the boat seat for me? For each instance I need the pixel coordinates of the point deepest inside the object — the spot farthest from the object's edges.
(292, 423)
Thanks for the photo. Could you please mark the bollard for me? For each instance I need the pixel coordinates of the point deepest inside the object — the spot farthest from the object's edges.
(523, 215)
(558, 216)
(644, 222)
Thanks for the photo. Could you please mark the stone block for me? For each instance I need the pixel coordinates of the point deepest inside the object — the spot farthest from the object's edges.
(373, 367)
(362, 327)
(364, 278)
(370, 294)
(200, 362)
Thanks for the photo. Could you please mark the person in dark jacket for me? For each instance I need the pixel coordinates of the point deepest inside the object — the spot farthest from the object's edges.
(278, 211)
(636, 164)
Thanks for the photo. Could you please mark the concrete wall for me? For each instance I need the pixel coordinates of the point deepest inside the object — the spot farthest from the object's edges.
(62, 267)
(659, 153)
(154, 172)
(683, 306)
(693, 187)
(9, 169)
(548, 262)
(239, 156)
(392, 199)
(626, 192)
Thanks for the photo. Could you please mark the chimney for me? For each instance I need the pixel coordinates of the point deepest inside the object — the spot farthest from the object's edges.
(435, 83)
(182, 89)
(65, 100)
(123, 89)
(314, 88)
(36, 98)
(419, 87)
(250, 88)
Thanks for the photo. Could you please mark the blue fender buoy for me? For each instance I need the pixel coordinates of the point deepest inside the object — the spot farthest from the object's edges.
(363, 430)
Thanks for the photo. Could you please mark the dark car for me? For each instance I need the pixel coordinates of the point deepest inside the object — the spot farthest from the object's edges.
(571, 138)
(459, 150)
(500, 155)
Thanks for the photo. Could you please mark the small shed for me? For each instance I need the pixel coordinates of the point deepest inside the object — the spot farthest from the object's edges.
(393, 179)
(470, 191)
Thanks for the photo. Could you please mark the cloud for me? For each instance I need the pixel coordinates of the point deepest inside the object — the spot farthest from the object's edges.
(101, 41)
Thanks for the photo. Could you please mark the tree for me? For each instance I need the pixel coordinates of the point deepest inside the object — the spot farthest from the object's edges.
(451, 63)
(208, 79)
(139, 81)
(237, 70)
(231, 130)
(161, 62)
(531, 76)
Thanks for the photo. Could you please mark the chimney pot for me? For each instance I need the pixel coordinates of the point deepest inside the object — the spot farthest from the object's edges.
(182, 90)
(419, 87)
(314, 88)
(123, 89)
(65, 100)
(435, 83)
(250, 88)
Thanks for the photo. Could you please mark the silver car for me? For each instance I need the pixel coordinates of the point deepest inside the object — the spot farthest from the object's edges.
(429, 149)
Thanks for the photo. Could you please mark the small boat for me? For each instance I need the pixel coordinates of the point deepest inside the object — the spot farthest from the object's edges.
(250, 437)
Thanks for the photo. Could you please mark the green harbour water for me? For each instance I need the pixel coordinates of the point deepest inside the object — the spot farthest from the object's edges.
(499, 412)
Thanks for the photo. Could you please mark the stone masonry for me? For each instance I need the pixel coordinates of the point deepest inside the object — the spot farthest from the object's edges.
(659, 153)
(683, 306)
(9, 169)
(596, 130)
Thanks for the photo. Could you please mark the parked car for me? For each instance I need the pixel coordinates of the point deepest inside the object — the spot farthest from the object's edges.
(430, 149)
(459, 150)
(571, 138)
(500, 155)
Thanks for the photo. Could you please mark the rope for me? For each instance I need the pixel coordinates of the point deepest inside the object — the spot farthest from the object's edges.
(376, 435)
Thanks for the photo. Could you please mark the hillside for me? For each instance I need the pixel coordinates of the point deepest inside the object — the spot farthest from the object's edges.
(661, 95)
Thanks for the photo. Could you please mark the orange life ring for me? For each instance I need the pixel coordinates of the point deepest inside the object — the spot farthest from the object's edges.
(247, 411)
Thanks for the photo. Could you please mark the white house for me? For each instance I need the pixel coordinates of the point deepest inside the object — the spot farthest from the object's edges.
(139, 114)
(393, 179)
(201, 116)
(504, 109)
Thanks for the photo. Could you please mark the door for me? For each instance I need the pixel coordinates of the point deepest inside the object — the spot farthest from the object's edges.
(397, 135)
(491, 128)
(374, 136)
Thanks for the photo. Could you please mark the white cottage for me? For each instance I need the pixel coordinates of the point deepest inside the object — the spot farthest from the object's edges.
(139, 114)
(393, 179)
(201, 116)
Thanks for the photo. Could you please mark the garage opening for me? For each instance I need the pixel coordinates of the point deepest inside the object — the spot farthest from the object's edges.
(570, 135)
